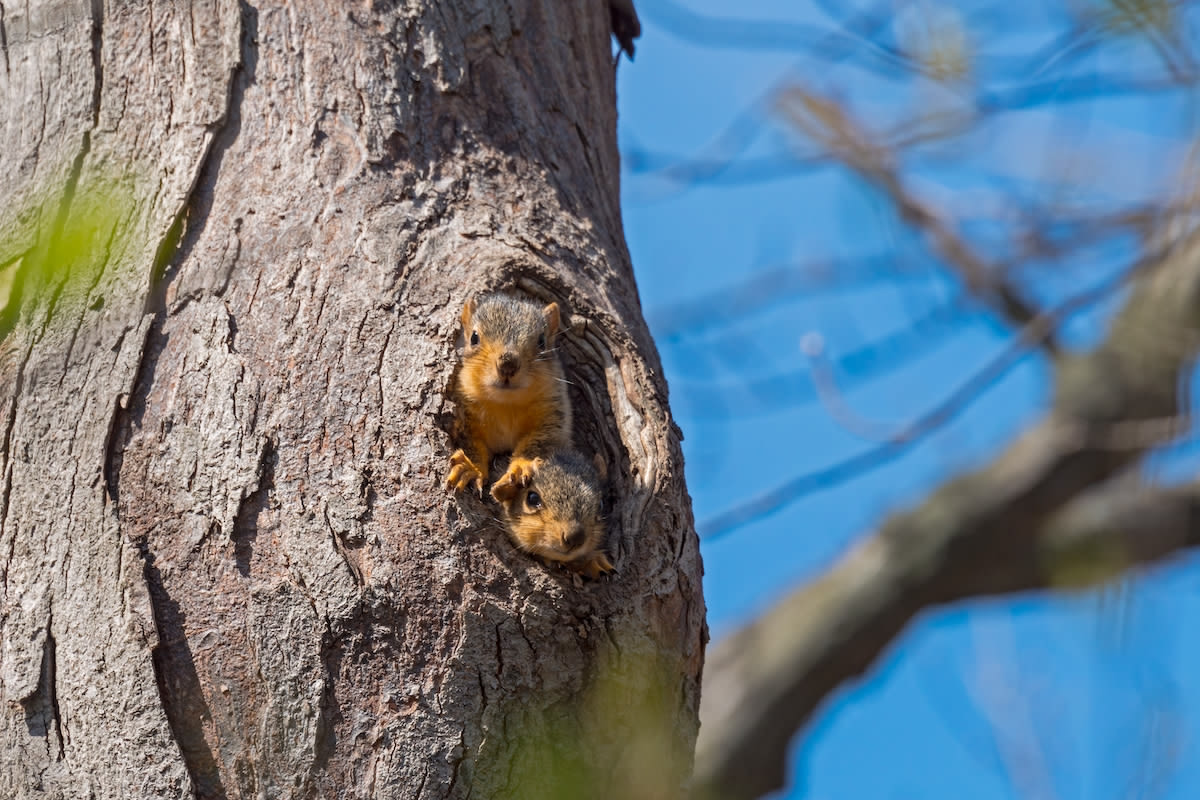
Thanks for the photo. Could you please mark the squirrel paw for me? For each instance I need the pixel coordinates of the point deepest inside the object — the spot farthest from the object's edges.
(594, 566)
(521, 472)
(463, 473)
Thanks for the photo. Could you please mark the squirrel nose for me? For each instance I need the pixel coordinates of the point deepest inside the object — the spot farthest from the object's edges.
(574, 537)
(508, 365)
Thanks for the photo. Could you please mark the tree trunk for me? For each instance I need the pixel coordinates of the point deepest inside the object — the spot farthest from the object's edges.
(238, 239)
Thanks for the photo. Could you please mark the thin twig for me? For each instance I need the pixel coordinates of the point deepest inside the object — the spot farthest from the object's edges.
(773, 286)
(874, 359)
(967, 392)
(1008, 711)
(1132, 434)
(829, 123)
(813, 346)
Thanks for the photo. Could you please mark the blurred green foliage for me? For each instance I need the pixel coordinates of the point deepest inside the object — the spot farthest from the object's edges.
(617, 743)
(61, 244)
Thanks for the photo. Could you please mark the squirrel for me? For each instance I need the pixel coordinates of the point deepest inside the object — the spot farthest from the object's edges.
(557, 515)
(511, 393)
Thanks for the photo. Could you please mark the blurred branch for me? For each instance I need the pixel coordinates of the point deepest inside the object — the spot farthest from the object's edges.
(731, 171)
(734, 139)
(1115, 527)
(827, 122)
(1066, 48)
(1008, 711)
(872, 360)
(1125, 435)
(834, 401)
(860, 35)
(1075, 89)
(1051, 232)
(997, 530)
(772, 287)
(774, 499)
(862, 39)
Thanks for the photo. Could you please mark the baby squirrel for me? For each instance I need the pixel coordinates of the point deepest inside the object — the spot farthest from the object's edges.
(557, 516)
(511, 393)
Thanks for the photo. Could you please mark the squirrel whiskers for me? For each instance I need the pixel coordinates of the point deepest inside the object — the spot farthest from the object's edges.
(557, 516)
(511, 391)
(512, 398)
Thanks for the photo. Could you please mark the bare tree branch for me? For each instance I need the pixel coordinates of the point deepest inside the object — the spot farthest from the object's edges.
(686, 173)
(1114, 527)
(859, 36)
(970, 389)
(1009, 715)
(993, 531)
(828, 122)
(777, 285)
(869, 361)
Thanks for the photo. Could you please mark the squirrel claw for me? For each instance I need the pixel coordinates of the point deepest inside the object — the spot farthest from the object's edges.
(521, 471)
(595, 565)
(464, 474)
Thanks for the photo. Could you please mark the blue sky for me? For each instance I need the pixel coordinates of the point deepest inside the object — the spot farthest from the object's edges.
(1090, 695)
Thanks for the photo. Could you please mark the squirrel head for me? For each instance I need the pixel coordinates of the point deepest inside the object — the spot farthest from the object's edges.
(509, 347)
(557, 516)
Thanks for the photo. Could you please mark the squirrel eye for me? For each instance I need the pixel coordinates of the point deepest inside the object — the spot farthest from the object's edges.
(542, 342)
(474, 338)
(533, 500)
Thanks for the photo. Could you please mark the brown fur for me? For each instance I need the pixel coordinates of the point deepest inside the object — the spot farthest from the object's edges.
(527, 412)
(565, 524)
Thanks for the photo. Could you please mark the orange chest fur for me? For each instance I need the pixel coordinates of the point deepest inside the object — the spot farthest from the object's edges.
(503, 426)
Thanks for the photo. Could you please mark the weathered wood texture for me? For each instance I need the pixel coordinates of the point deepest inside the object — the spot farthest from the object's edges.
(229, 568)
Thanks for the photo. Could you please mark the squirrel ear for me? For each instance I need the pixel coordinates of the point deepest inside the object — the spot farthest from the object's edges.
(469, 311)
(601, 466)
(552, 317)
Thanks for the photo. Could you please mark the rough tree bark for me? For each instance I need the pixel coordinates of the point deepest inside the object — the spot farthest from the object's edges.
(228, 566)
